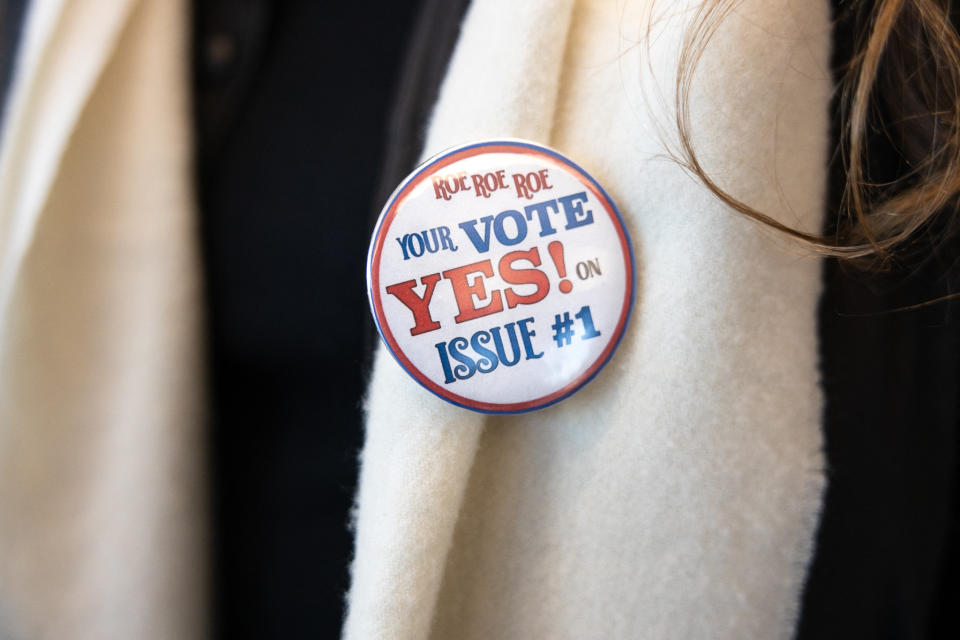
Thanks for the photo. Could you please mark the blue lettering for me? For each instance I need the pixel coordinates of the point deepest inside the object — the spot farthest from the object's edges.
(445, 362)
(482, 245)
(415, 252)
(487, 360)
(467, 366)
(498, 343)
(445, 241)
(526, 333)
(403, 246)
(501, 232)
(543, 215)
(573, 210)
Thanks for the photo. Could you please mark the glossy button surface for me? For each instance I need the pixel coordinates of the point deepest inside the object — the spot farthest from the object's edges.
(501, 276)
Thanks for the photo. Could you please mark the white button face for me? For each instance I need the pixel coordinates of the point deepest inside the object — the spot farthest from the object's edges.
(500, 276)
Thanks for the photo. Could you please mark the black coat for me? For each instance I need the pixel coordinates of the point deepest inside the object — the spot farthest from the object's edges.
(295, 135)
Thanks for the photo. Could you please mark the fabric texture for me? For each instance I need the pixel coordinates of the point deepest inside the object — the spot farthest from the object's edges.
(285, 182)
(887, 559)
(677, 494)
(101, 527)
(12, 13)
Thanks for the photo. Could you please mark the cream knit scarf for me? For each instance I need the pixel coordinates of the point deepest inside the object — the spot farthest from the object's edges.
(676, 496)
(101, 501)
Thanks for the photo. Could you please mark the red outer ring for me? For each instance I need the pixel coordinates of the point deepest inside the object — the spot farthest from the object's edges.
(384, 225)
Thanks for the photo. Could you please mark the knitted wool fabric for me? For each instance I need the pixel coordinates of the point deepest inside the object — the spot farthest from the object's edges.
(101, 501)
(677, 494)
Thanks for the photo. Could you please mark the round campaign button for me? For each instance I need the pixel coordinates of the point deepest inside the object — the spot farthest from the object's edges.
(500, 276)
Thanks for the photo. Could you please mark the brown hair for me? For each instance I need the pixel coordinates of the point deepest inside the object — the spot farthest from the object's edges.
(902, 81)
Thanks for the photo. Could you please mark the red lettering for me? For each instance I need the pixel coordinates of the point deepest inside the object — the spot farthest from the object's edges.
(464, 291)
(521, 185)
(533, 179)
(462, 181)
(420, 307)
(523, 276)
(453, 185)
(543, 179)
(440, 188)
(480, 188)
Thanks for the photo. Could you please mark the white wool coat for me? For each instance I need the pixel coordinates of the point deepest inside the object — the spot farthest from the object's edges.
(675, 496)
